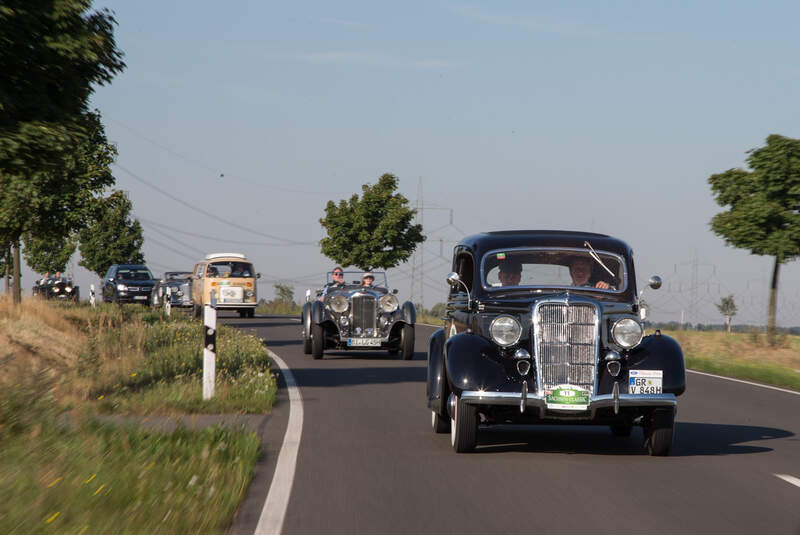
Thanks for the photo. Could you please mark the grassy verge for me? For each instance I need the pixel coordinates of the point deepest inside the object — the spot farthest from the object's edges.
(62, 471)
(429, 319)
(279, 307)
(743, 356)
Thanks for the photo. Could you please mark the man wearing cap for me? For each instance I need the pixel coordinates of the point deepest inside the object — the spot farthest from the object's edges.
(367, 279)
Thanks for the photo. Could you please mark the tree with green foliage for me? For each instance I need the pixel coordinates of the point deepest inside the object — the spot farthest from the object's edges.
(727, 307)
(52, 53)
(112, 237)
(763, 208)
(284, 293)
(375, 230)
(48, 253)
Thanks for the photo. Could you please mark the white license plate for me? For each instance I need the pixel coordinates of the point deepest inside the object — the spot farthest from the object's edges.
(364, 342)
(645, 382)
(139, 297)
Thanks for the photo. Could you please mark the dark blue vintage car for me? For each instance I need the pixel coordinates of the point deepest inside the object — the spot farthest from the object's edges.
(547, 327)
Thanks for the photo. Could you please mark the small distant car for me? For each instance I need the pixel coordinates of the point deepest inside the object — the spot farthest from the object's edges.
(351, 316)
(128, 283)
(231, 277)
(546, 327)
(61, 289)
(175, 287)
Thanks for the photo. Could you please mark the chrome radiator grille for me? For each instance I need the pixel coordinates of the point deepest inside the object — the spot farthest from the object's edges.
(565, 341)
(363, 312)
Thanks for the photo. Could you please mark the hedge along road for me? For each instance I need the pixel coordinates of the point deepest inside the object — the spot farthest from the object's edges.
(368, 461)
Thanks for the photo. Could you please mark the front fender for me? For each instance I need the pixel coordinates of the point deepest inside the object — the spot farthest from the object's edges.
(660, 352)
(474, 363)
(317, 312)
(305, 316)
(409, 313)
(437, 383)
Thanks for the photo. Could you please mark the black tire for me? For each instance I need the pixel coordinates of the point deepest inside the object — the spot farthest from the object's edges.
(317, 341)
(407, 342)
(464, 428)
(251, 313)
(243, 313)
(439, 424)
(659, 433)
(621, 429)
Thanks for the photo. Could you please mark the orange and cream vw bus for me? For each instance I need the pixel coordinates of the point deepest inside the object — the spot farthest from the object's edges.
(232, 277)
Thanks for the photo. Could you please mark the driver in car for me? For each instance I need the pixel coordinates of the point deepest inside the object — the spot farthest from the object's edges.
(581, 271)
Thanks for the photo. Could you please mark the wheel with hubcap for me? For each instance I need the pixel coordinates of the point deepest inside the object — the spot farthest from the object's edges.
(439, 424)
(464, 427)
(317, 341)
(407, 342)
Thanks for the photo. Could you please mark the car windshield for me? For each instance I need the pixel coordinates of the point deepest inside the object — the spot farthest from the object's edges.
(560, 268)
(177, 275)
(134, 274)
(357, 278)
(230, 269)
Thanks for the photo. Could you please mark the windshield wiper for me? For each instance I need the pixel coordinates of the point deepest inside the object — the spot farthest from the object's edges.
(594, 255)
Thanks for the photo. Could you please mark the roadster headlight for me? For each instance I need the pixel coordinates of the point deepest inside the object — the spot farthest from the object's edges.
(121, 287)
(627, 332)
(56, 289)
(505, 331)
(68, 289)
(338, 303)
(389, 303)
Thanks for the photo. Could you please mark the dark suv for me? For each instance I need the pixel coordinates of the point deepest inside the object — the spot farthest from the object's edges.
(128, 283)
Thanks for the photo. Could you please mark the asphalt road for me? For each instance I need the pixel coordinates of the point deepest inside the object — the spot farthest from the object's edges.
(369, 463)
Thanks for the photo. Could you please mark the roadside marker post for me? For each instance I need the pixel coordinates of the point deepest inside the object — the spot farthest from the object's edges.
(92, 300)
(168, 301)
(210, 346)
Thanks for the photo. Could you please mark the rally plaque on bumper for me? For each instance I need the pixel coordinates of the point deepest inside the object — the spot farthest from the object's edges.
(364, 342)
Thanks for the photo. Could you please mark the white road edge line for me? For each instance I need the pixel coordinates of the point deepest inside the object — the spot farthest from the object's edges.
(789, 479)
(274, 511)
(796, 393)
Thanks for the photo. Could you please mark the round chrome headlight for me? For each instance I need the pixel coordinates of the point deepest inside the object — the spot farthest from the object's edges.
(389, 303)
(627, 332)
(505, 331)
(338, 303)
(56, 289)
(68, 289)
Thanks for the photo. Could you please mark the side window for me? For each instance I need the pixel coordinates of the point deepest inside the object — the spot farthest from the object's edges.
(199, 271)
(464, 266)
(109, 273)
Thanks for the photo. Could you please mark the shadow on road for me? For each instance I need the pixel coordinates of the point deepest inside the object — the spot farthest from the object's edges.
(330, 377)
(691, 439)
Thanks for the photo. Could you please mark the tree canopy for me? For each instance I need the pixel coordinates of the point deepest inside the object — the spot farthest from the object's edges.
(375, 230)
(762, 207)
(48, 253)
(112, 237)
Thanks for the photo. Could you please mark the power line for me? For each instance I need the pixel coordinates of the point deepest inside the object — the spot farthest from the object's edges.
(213, 238)
(206, 213)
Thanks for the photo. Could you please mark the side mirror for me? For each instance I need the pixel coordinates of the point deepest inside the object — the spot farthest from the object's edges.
(453, 279)
(654, 282)
(258, 275)
(111, 279)
(394, 291)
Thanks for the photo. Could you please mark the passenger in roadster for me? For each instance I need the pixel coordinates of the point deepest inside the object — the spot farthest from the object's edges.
(367, 279)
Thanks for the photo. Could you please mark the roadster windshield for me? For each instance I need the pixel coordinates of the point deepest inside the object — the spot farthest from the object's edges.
(551, 267)
(356, 278)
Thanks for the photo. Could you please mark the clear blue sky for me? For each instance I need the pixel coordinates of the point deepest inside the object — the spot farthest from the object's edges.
(591, 116)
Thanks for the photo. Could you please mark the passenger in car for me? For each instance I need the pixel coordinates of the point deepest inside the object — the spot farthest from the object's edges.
(510, 272)
(581, 271)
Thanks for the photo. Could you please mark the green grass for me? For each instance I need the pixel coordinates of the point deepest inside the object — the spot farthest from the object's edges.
(93, 478)
(763, 373)
(279, 307)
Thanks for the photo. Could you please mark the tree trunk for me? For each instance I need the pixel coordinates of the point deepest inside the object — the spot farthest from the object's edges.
(8, 270)
(17, 286)
(773, 304)
(729, 324)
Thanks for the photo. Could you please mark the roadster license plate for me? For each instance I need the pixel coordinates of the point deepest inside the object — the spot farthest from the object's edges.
(364, 342)
(140, 297)
(645, 381)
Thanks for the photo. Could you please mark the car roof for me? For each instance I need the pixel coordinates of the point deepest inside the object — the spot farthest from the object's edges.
(217, 256)
(507, 239)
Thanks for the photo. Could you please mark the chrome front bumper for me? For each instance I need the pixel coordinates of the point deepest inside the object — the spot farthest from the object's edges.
(537, 403)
